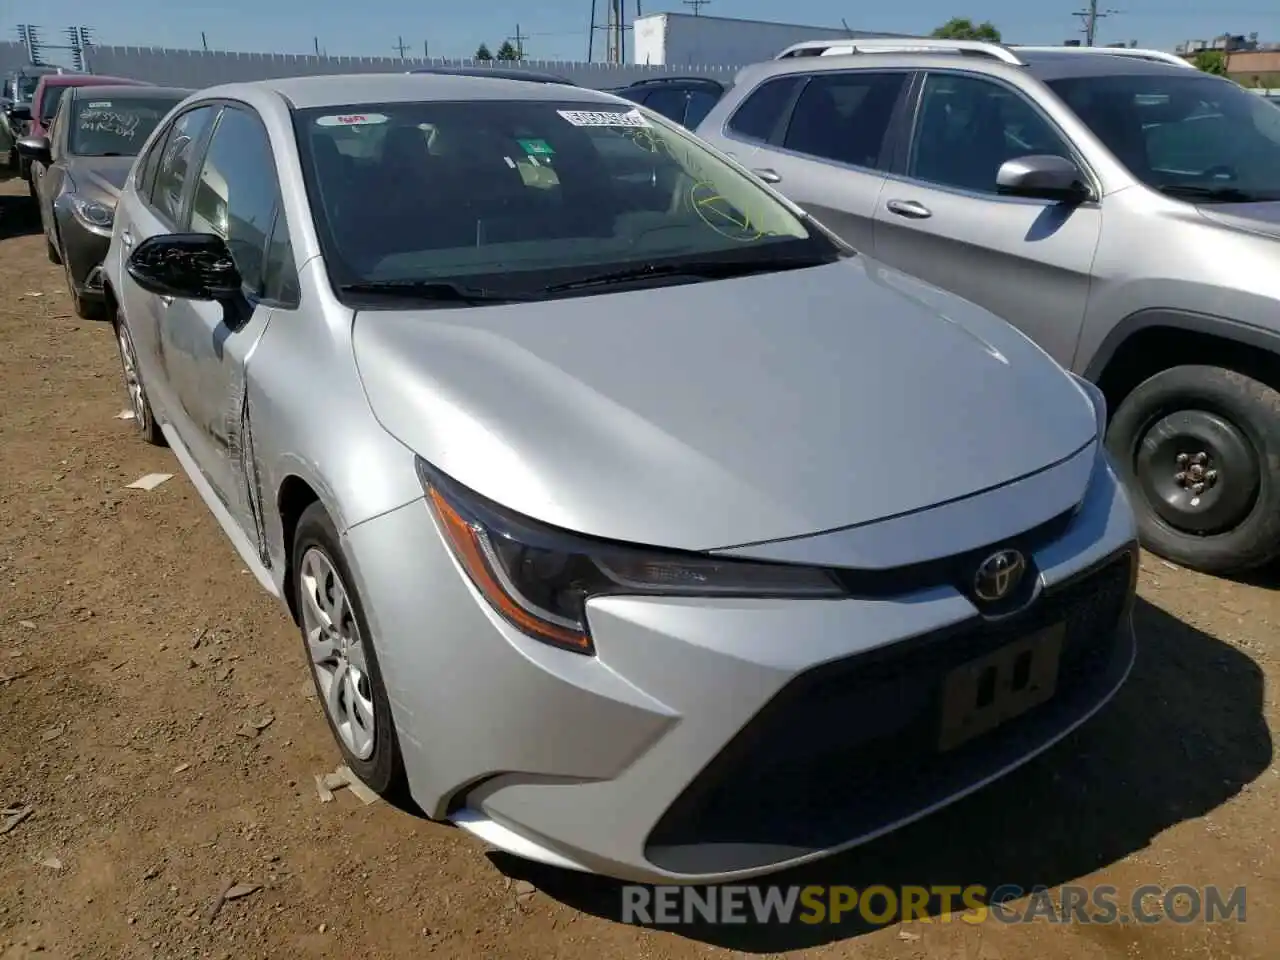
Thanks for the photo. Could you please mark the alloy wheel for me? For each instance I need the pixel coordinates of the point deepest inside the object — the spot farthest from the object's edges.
(337, 653)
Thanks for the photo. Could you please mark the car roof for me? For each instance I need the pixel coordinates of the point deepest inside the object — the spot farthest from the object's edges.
(506, 73)
(342, 90)
(665, 81)
(125, 92)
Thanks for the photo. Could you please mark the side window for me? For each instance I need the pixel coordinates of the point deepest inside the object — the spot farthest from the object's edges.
(55, 126)
(175, 160)
(144, 174)
(237, 192)
(280, 276)
(668, 102)
(966, 127)
(700, 104)
(845, 116)
(759, 115)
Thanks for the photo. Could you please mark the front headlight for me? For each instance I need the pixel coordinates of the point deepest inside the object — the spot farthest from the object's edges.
(1099, 401)
(540, 578)
(95, 215)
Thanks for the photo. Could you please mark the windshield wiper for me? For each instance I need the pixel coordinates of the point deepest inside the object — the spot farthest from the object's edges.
(697, 269)
(435, 290)
(1215, 194)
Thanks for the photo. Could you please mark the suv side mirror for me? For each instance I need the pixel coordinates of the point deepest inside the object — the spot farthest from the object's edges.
(189, 266)
(1043, 177)
(19, 111)
(35, 148)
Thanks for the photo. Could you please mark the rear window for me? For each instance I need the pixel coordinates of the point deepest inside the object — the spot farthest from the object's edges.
(49, 101)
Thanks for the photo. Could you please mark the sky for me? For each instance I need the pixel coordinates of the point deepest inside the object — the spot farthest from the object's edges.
(558, 28)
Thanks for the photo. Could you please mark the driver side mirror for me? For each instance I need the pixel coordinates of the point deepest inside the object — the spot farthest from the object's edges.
(1043, 177)
(188, 266)
(35, 148)
(19, 111)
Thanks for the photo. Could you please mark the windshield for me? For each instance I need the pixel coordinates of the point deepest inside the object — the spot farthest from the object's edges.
(522, 195)
(49, 102)
(115, 128)
(1195, 136)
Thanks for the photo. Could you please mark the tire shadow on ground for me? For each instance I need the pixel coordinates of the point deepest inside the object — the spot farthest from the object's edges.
(1182, 737)
(19, 215)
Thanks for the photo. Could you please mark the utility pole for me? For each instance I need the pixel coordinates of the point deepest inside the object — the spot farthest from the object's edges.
(1090, 17)
(204, 42)
(696, 4)
(400, 46)
(426, 53)
(519, 40)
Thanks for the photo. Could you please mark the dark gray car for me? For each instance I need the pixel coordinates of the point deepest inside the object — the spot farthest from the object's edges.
(92, 143)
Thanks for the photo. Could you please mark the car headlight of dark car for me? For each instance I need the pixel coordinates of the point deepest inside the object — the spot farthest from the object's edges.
(94, 215)
(539, 578)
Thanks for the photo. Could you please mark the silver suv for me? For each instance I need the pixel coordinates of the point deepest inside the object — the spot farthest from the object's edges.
(1122, 211)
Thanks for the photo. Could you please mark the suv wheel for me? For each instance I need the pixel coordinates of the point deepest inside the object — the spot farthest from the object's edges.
(1199, 450)
(340, 650)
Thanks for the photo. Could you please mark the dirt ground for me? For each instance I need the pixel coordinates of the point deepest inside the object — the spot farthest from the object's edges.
(138, 660)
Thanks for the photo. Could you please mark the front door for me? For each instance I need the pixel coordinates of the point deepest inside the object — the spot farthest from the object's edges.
(832, 157)
(153, 206)
(1028, 261)
(204, 346)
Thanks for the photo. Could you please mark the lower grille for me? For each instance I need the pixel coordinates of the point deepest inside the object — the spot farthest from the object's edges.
(850, 748)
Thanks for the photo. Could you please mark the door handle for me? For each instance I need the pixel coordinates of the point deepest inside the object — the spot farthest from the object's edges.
(768, 174)
(167, 301)
(126, 238)
(911, 209)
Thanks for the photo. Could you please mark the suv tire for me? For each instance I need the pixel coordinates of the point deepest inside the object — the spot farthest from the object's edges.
(1199, 450)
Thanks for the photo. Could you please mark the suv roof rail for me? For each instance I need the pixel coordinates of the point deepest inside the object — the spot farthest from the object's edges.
(836, 48)
(1159, 56)
(665, 79)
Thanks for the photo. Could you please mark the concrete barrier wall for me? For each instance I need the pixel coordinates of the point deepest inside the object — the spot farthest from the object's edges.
(199, 68)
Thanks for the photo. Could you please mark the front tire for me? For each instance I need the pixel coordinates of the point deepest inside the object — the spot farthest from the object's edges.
(340, 650)
(143, 418)
(1199, 449)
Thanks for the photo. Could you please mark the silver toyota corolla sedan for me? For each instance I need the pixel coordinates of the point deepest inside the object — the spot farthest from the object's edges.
(631, 520)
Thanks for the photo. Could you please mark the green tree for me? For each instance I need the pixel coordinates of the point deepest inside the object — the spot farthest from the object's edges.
(507, 51)
(1211, 61)
(482, 52)
(962, 28)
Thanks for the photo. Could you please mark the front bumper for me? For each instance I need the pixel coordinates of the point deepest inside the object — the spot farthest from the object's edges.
(83, 251)
(715, 740)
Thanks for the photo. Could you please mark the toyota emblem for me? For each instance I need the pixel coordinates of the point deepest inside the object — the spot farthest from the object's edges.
(999, 575)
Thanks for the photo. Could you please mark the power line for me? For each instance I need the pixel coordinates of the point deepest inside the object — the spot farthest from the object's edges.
(696, 4)
(400, 45)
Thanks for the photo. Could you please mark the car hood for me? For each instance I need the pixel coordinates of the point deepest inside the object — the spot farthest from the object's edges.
(708, 415)
(99, 178)
(1260, 218)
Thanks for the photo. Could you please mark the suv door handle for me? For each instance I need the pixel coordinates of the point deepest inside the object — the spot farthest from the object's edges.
(768, 174)
(911, 209)
(126, 238)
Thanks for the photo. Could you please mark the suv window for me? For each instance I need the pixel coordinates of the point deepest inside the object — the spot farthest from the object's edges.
(237, 193)
(700, 104)
(1196, 136)
(845, 116)
(175, 160)
(668, 101)
(966, 127)
(759, 115)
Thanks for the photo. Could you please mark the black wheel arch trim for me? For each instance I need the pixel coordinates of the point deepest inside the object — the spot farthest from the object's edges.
(1223, 328)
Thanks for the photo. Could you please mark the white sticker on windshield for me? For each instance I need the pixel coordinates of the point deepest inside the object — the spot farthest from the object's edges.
(100, 105)
(592, 118)
(351, 119)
